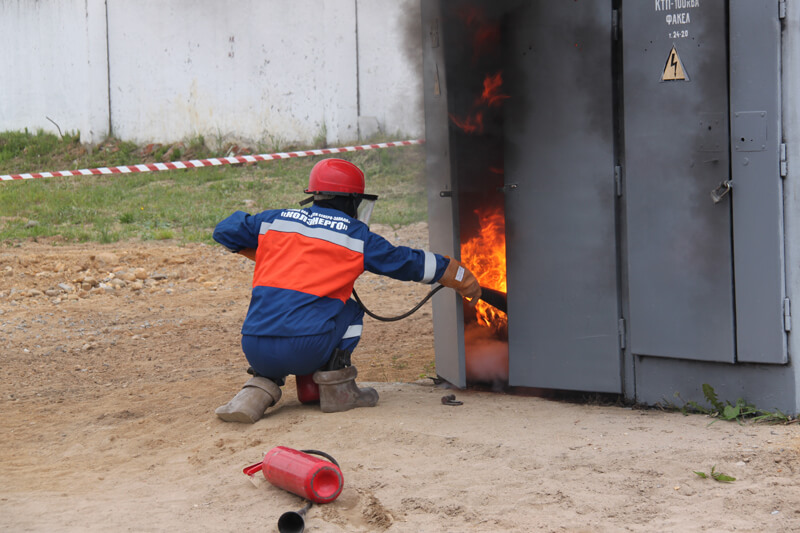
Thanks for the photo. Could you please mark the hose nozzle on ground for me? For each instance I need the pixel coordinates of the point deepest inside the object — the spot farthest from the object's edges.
(293, 521)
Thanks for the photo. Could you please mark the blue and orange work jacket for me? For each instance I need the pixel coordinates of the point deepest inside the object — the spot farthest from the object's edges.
(307, 261)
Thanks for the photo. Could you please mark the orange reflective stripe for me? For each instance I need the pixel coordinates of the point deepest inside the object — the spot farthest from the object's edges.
(306, 264)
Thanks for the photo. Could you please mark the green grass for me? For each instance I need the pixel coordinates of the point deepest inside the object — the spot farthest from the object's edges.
(180, 204)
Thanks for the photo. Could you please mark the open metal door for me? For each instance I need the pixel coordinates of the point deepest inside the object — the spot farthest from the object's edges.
(448, 315)
(560, 200)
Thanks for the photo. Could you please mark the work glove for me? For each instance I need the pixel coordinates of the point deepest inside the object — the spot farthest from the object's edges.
(457, 276)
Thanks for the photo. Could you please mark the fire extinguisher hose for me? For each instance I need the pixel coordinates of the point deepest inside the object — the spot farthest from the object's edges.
(321, 454)
(490, 296)
(399, 317)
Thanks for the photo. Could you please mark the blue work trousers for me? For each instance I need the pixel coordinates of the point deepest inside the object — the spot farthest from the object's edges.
(277, 357)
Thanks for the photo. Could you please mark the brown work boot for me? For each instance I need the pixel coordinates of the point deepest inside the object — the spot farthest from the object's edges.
(338, 391)
(249, 404)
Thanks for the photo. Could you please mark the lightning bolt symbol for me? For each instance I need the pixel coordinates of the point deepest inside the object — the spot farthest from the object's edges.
(673, 61)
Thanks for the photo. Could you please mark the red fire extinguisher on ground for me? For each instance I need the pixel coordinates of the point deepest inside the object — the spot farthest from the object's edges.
(301, 473)
(307, 390)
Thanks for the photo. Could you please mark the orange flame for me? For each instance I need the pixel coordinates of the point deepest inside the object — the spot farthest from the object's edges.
(490, 97)
(471, 124)
(485, 256)
(491, 90)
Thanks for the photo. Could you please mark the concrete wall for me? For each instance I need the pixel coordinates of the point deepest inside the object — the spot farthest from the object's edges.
(263, 71)
(53, 64)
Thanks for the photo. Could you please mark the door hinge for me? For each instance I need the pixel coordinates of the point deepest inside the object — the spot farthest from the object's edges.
(621, 330)
(784, 166)
(618, 180)
(781, 9)
(615, 24)
(787, 315)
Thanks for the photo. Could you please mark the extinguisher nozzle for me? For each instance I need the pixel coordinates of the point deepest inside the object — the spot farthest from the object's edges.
(495, 298)
(293, 521)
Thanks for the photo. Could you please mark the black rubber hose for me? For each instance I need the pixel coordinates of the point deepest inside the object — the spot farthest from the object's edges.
(490, 296)
(400, 317)
(321, 454)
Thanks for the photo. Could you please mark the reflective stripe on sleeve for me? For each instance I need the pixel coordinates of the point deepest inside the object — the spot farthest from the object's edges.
(430, 268)
(264, 228)
(353, 331)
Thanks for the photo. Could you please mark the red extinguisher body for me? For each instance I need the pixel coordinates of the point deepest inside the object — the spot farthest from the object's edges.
(300, 473)
(307, 390)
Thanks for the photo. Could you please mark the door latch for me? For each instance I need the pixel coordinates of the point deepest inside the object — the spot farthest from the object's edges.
(721, 190)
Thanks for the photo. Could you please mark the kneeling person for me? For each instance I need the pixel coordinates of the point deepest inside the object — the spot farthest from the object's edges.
(301, 319)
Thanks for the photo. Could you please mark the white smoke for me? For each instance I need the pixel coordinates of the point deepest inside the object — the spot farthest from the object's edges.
(486, 356)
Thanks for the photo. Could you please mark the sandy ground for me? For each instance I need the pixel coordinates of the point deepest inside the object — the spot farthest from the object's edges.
(108, 391)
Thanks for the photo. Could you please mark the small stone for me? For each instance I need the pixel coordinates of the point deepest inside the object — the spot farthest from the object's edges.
(52, 293)
(140, 273)
(31, 223)
(107, 258)
(137, 285)
(34, 292)
(127, 276)
(66, 287)
(159, 276)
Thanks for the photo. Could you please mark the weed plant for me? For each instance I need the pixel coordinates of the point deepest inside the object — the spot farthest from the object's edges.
(179, 204)
(739, 411)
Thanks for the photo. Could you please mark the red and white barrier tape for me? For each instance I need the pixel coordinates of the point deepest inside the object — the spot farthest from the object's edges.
(196, 163)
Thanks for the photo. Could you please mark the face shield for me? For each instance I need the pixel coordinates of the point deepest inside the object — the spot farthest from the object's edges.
(365, 207)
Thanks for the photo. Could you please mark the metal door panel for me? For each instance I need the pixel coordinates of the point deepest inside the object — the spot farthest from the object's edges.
(679, 259)
(448, 320)
(560, 221)
(757, 195)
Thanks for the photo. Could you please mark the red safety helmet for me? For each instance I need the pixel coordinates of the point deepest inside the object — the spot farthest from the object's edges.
(337, 177)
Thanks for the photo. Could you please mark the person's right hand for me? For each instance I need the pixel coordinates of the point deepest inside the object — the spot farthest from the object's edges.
(457, 276)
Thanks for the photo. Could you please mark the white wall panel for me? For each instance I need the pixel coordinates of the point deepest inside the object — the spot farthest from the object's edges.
(269, 71)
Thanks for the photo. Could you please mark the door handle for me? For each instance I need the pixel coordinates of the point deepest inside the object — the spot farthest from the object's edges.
(721, 191)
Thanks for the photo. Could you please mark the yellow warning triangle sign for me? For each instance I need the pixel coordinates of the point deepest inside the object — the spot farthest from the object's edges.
(673, 70)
